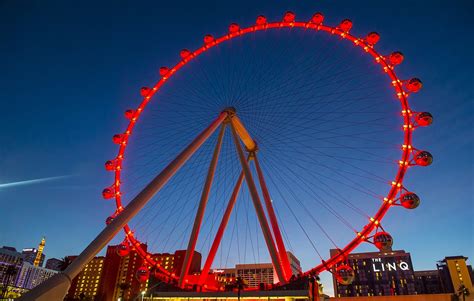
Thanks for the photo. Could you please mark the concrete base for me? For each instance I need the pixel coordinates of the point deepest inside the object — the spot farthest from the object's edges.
(423, 297)
(293, 295)
(53, 289)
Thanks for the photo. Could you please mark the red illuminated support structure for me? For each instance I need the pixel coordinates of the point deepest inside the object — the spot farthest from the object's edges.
(274, 222)
(258, 208)
(220, 231)
(201, 209)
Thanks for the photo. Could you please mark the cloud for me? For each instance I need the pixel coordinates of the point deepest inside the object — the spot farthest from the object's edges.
(31, 182)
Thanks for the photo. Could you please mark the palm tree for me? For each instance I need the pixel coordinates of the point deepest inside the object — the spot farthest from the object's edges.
(463, 291)
(240, 284)
(65, 262)
(123, 287)
(9, 272)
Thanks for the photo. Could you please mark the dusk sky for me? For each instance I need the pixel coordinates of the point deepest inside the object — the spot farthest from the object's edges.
(70, 70)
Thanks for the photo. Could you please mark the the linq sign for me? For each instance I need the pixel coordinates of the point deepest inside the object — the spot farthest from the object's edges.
(381, 266)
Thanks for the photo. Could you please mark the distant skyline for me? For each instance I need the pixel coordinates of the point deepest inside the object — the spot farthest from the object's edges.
(70, 70)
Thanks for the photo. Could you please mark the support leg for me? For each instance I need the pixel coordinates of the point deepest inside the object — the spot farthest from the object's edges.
(201, 209)
(59, 284)
(274, 222)
(258, 207)
(220, 231)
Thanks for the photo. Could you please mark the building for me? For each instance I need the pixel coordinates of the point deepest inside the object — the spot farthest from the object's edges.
(10, 264)
(109, 275)
(35, 256)
(30, 254)
(294, 264)
(39, 255)
(454, 274)
(9, 248)
(31, 276)
(225, 276)
(127, 285)
(194, 267)
(119, 276)
(255, 275)
(173, 263)
(378, 274)
(54, 264)
(166, 261)
(86, 284)
(428, 282)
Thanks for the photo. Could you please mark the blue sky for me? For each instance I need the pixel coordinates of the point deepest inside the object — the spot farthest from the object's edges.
(69, 72)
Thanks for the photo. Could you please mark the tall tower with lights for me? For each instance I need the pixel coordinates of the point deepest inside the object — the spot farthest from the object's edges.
(40, 252)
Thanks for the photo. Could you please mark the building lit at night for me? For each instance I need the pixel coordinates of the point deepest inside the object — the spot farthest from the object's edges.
(53, 264)
(294, 263)
(31, 276)
(127, 284)
(30, 255)
(256, 274)
(454, 274)
(173, 263)
(87, 283)
(428, 282)
(119, 275)
(378, 274)
(10, 264)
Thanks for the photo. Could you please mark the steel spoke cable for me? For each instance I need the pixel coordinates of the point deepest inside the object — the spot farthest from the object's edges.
(297, 220)
(315, 196)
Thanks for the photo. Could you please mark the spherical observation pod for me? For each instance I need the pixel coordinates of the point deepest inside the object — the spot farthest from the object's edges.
(108, 193)
(143, 274)
(424, 118)
(344, 274)
(110, 165)
(208, 39)
(423, 158)
(234, 27)
(383, 241)
(118, 138)
(289, 17)
(109, 220)
(396, 58)
(345, 25)
(410, 200)
(261, 20)
(144, 91)
(414, 85)
(317, 18)
(163, 71)
(185, 53)
(372, 38)
(129, 114)
(123, 249)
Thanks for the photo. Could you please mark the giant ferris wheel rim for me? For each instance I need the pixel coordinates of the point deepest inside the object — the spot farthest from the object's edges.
(342, 32)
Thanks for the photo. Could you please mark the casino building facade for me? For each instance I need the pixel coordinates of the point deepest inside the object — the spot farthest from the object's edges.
(378, 274)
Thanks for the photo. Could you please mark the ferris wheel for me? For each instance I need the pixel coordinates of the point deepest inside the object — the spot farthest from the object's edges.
(283, 136)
